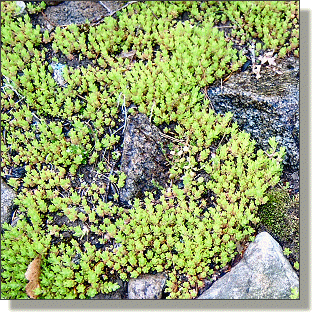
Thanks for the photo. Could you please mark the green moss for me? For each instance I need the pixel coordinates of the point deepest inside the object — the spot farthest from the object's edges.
(273, 213)
(280, 217)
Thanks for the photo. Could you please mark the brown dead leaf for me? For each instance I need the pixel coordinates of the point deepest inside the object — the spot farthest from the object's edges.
(33, 274)
(256, 70)
(271, 61)
(129, 55)
(268, 57)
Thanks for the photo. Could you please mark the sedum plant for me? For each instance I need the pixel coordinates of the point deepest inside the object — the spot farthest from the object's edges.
(149, 59)
(186, 233)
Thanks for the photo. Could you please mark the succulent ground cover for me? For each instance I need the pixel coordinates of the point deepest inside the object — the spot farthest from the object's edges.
(154, 58)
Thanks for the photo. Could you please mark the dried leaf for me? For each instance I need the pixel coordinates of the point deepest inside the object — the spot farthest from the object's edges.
(33, 275)
(268, 57)
(129, 54)
(256, 70)
(262, 59)
(271, 61)
(85, 229)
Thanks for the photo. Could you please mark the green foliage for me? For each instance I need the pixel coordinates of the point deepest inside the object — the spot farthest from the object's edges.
(19, 247)
(274, 23)
(287, 252)
(159, 65)
(294, 293)
(35, 8)
(180, 232)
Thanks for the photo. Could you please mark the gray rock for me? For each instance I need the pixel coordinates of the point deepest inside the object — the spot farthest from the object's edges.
(263, 273)
(58, 73)
(147, 286)
(7, 197)
(77, 12)
(142, 160)
(53, 3)
(267, 107)
(22, 6)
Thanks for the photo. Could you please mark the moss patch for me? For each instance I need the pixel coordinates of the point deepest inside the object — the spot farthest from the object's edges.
(280, 217)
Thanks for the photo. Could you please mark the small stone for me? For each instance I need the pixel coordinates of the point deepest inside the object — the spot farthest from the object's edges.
(75, 12)
(7, 197)
(143, 161)
(58, 73)
(22, 6)
(147, 286)
(49, 26)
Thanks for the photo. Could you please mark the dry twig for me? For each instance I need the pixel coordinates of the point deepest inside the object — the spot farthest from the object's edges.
(168, 137)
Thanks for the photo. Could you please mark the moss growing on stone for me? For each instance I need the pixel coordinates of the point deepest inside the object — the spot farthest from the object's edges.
(279, 216)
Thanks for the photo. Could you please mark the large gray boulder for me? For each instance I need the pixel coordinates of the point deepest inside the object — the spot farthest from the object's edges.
(263, 273)
(266, 107)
